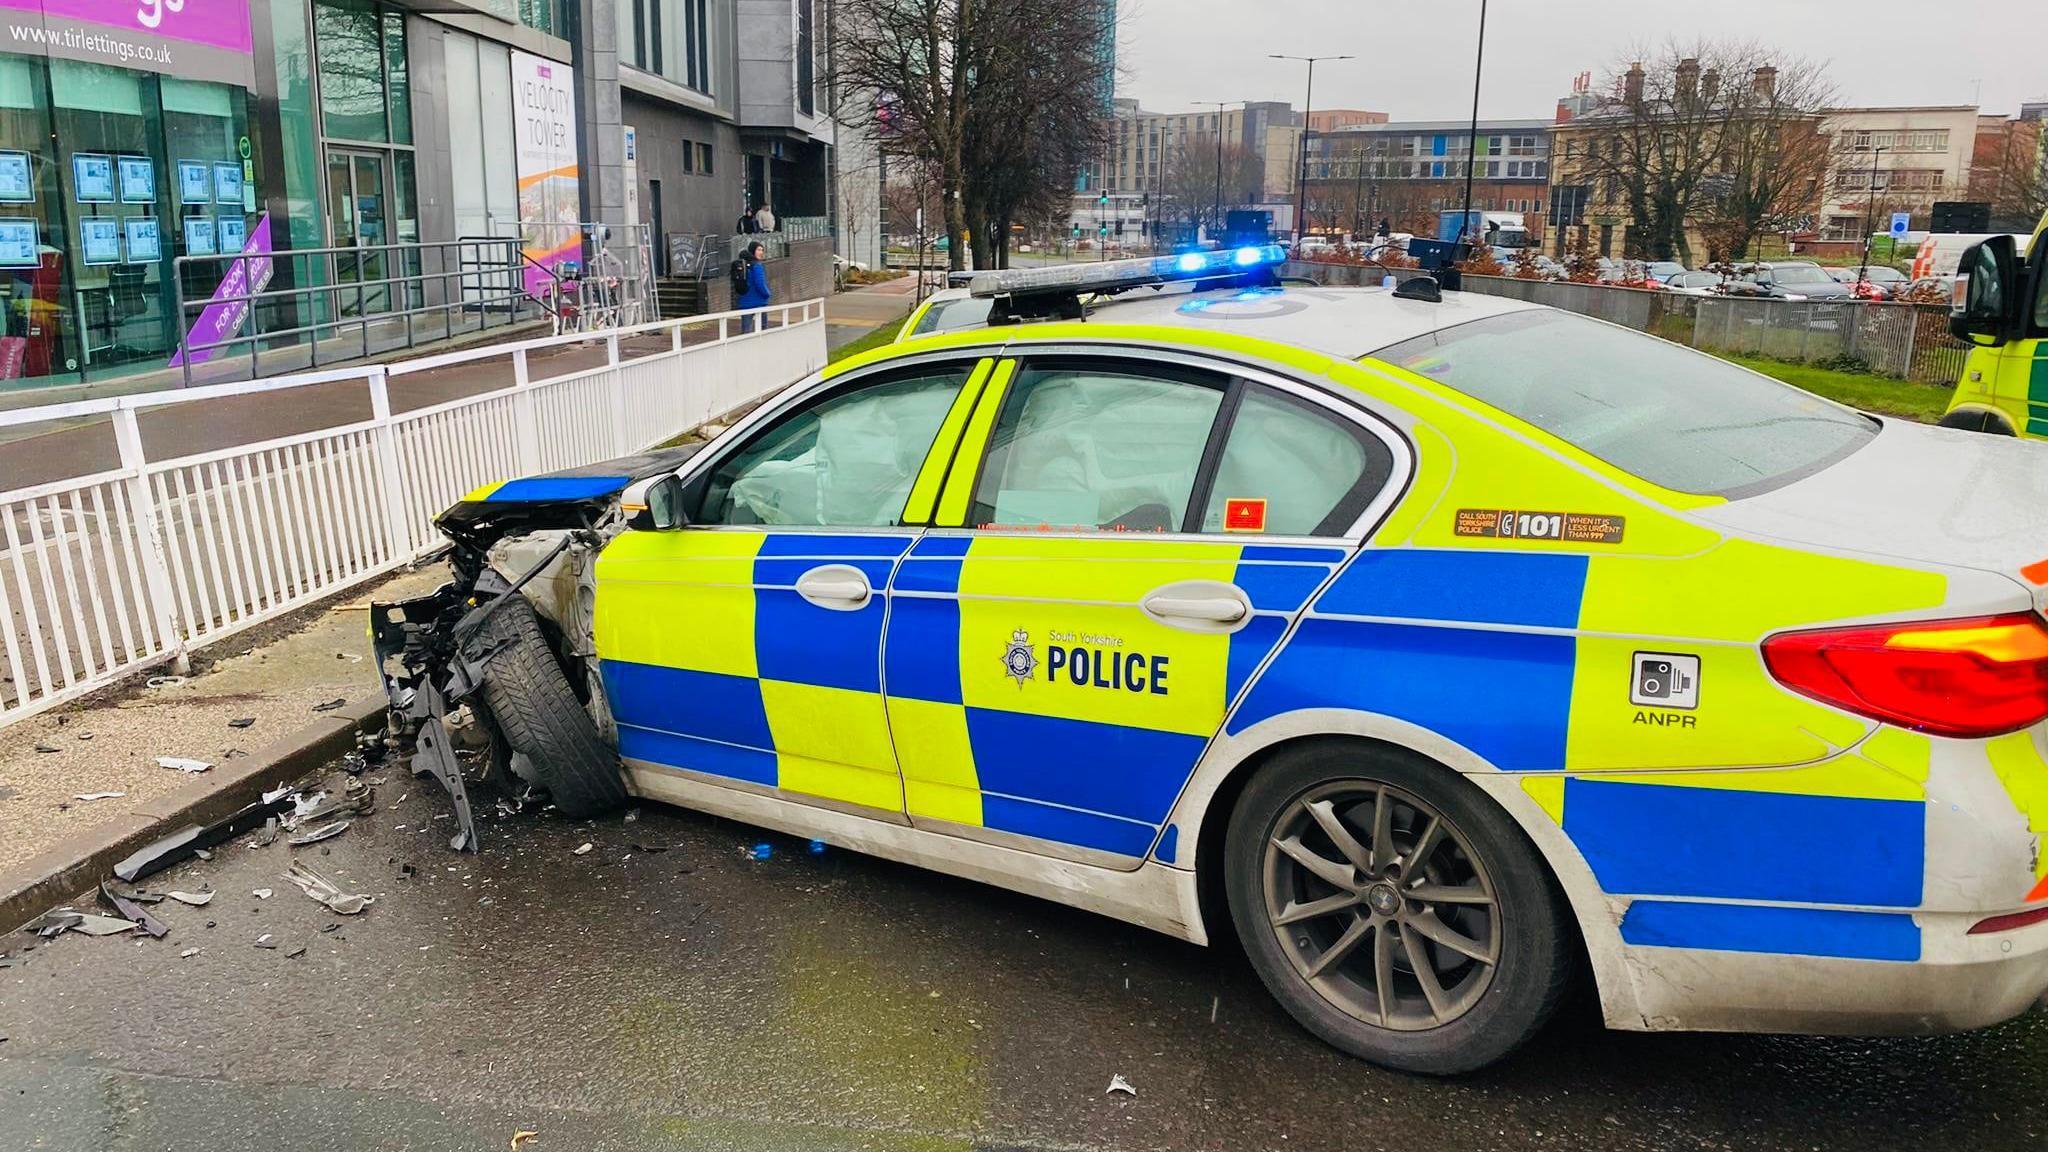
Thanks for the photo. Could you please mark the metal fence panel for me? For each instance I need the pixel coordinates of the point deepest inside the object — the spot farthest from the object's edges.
(104, 575)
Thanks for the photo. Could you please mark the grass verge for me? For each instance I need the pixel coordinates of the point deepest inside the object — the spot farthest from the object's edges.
(1882, 394)
(879, 336)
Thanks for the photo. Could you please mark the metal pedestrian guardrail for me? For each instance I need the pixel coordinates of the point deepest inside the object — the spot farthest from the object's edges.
(103, 576)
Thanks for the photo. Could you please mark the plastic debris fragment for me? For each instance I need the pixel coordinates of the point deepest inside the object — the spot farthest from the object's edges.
(99, 795)
(322, 889)
(1117, 1083)
(102, 925)
(195, 899)
(583, 849)
(182, 763)
(316, 835)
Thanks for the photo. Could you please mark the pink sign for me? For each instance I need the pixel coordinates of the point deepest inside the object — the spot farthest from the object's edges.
(196, 39)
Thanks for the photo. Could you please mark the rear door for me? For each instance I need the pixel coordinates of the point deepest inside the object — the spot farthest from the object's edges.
(745, 649)
(1121, 542)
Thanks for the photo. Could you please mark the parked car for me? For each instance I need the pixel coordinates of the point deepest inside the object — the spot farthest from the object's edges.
(1790, 281)
(1695, 283)
(1661, 271)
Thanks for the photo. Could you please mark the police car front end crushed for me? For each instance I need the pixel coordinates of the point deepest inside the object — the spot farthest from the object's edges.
(1445, 649)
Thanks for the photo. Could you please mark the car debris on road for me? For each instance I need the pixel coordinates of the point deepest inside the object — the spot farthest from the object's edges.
(322, 889)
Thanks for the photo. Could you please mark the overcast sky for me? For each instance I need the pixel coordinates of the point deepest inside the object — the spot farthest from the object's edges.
(1416, 55)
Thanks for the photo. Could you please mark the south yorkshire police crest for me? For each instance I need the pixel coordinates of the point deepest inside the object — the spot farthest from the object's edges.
(1018, 658)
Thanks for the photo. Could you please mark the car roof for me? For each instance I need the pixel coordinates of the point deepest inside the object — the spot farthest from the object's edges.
(1343, 322)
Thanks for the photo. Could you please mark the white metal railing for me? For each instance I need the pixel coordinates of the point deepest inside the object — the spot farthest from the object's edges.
(104, 575)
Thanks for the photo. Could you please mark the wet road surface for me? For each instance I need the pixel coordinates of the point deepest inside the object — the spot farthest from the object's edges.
(691, 998)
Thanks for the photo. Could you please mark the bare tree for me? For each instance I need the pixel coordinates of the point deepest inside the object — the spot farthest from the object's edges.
(1699, 130)
(1773, 157)
(1188, 180)
(2013, 176)
(1000, 100)
(1035, 114)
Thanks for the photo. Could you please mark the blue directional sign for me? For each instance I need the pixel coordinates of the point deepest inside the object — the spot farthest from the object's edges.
(1902, 222)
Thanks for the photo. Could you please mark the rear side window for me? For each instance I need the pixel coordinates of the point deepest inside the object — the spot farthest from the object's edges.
(1289, 469)
(1677, 418)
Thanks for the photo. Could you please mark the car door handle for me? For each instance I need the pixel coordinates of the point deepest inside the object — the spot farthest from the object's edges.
(1212, 609)
(840, 587)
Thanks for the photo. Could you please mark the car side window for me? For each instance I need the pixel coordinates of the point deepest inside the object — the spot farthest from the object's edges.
(847, 459)
(2041, 290)
(1291, 469)
(1093, 445)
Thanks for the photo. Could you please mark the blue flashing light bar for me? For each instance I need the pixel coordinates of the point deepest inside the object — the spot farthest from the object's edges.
(1116, 275)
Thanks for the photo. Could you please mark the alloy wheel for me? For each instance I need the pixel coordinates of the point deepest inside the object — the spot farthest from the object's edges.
(1382, 905)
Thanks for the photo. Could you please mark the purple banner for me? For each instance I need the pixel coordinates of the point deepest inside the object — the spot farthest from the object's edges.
(196, 39)
(223, 317)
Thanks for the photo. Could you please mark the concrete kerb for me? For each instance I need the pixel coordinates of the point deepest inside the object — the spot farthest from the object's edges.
(76, 865)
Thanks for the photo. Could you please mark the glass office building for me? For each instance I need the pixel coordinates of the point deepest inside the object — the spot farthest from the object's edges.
(134, 134)
(108, 170)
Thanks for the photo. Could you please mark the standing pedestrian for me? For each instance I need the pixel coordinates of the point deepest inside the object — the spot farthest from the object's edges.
(764, 217)
(746, 224)
(751, 284)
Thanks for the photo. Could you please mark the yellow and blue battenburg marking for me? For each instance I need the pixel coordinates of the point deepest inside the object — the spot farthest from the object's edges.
(1030, 695)
(713, 663)
(1485, 649)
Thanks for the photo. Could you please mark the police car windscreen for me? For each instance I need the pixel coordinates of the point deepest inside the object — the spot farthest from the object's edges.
(1675, 417)
(953, 315)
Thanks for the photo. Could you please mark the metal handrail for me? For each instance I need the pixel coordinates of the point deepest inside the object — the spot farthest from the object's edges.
(466, 287)
(496, 284)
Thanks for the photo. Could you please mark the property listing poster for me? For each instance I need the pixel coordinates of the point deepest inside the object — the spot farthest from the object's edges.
(544, 155)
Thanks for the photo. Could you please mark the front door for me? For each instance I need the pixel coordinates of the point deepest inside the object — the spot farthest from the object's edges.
(1094, 593)
(357, 219)
(746, 649)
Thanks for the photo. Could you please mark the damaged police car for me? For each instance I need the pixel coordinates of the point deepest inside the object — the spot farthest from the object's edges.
(1444, 647)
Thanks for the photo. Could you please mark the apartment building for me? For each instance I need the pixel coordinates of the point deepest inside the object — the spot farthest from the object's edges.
(1886, 160)
(1408, 171)
(1137, 166)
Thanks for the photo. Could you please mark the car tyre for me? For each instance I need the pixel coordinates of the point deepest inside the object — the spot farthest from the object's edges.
(1979, 420)
(550, 739)
(1497, 970)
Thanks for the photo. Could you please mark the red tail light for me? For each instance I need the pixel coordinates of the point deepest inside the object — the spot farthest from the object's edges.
(1983, 676)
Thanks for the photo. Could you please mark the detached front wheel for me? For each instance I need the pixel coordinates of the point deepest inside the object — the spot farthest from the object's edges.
(552, 741)
(1393, 910)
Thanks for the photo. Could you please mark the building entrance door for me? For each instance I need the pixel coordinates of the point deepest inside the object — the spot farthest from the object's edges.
(358, 198)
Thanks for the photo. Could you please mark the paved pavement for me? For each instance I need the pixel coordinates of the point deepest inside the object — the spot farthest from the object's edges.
(270, 677)
(852, 315)
(689, 998)
(83, 448)
(187, 429)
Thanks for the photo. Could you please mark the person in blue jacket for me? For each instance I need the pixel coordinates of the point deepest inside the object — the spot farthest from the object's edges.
(756, 294)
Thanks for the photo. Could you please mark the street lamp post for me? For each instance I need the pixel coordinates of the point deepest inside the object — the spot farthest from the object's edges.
(1472, 146)
(1869, 216)
(1219, 105)
(1301, 166)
